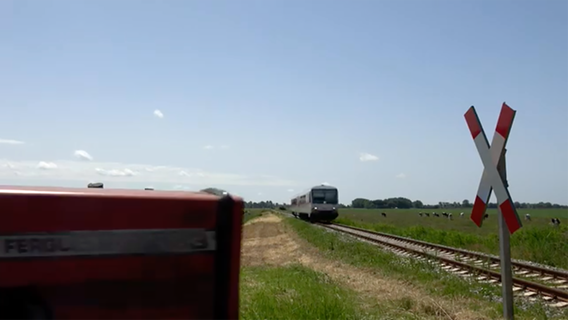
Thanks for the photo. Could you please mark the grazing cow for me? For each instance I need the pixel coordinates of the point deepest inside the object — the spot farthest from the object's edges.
(450, 216)
(420, 214)
(555, 222)
(445, 214)
(383, 214)
(486, 216)
(435, 214)
(461, 214)
(528, 217)
(427, 214)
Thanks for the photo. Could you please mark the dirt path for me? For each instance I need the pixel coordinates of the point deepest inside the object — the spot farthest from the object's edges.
(268, 241)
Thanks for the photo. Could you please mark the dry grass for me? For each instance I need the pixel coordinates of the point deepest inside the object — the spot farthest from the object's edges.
(267, 241)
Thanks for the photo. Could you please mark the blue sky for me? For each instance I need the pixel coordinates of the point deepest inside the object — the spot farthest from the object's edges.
(288, 94)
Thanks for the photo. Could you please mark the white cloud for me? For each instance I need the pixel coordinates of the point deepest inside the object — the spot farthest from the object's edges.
(116, 172)
(209, 147)
(401, 176)
(363, 157)
(42, 165)
(124, 172)
(8, 141)
(184, 174)
(180, 187)
(158, 113)
(290, 190)
(82, 155)
(260, 193)
(8, 165)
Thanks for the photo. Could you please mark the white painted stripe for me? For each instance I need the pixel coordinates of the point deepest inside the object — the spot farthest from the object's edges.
(493, 174)
(107, 242)
(497, 146)
(485, 188)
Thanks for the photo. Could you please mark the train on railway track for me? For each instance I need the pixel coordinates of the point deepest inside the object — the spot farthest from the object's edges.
(319, 204)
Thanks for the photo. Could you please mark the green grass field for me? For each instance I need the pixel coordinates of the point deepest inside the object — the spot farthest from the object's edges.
(253, 213)
(298, 292)
(293, 293)
(537, 241)
(477, 296)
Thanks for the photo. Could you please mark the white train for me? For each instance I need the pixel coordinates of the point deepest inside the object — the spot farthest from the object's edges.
(317, 204)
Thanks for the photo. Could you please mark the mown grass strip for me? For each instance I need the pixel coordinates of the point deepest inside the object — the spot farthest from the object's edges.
(293, 293)
(417, 273)
(542, 244)
(251, 214)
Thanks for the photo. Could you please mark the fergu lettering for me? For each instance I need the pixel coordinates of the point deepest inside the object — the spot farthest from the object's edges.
(199, 242)
(35, 245)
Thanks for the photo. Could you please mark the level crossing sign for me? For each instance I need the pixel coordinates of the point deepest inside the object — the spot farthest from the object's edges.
(492, 178)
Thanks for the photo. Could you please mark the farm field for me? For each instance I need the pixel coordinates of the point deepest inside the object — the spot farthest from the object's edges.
(291, 269)
(537, 241)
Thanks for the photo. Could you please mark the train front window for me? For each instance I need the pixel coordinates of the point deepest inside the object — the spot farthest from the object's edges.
(324, 196)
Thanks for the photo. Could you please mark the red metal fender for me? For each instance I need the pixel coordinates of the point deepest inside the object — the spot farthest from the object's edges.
(77, 253)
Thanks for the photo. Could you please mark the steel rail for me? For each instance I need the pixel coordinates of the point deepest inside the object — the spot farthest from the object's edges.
(481, 256)
(524, 284)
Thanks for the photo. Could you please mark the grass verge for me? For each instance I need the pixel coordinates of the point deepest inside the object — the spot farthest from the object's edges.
(544, 245)
(482, 298)
(252, 213)
(293, 292)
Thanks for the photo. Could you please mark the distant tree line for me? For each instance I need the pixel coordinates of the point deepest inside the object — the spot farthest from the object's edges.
(405, 203)
(391, 203)
(263, 204)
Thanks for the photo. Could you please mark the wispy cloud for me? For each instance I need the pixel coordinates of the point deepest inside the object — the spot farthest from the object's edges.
(116, 172)
(82, 155)
(184, 174)
(210, 147)
(182, 187)
(9, 141)
(42, 165)
(290, 190)
(143, 173)
(158, 113)
(401, 176)
(364, 157)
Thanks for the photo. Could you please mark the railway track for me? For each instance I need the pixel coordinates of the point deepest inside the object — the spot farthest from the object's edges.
(529, 281)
